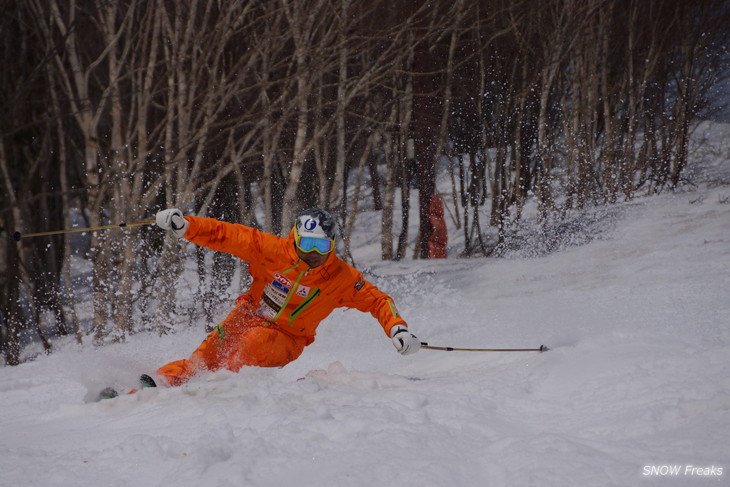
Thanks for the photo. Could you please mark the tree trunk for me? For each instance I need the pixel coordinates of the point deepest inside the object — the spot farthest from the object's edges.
(423, 134)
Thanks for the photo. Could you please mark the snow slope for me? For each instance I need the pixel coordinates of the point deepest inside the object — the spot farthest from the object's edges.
(638, 320)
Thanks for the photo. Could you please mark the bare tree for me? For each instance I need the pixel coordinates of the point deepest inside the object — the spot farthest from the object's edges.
(251, 110)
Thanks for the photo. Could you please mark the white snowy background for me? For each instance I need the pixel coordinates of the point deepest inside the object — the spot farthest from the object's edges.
(637, 318)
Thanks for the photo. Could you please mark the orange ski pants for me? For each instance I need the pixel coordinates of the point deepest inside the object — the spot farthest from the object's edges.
(243, 338)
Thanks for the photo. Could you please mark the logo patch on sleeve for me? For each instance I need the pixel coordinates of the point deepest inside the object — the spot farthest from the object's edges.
(359, 284)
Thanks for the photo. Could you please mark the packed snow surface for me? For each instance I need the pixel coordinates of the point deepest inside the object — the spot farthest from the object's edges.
(634, 391)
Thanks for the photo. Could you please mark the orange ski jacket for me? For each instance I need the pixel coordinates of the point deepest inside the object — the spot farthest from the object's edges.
(286, 292)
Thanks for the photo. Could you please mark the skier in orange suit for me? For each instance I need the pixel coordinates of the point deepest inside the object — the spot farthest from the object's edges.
(297, 282)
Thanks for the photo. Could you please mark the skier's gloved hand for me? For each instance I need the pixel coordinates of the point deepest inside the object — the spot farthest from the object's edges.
(404, 341)
(172, 219)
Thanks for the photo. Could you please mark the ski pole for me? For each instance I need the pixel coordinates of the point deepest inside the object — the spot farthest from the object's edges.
(542, 348)
(17, 235)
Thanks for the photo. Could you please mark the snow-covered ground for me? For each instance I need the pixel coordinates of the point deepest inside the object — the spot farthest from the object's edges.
(635, 389)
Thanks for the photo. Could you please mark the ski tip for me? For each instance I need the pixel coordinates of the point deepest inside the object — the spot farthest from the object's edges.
(147, 381)
(108, 393)
(543, 348)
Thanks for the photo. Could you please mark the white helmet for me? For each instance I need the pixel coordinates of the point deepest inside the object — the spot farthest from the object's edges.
(315, 222)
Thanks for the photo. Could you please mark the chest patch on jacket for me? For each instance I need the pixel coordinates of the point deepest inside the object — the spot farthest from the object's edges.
(273, 298)
(283, 280)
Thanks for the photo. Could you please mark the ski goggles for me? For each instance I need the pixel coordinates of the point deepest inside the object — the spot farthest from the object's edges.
(322, 246)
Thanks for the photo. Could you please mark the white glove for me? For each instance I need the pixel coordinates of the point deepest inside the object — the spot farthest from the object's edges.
(172, 219)
(404, 341)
